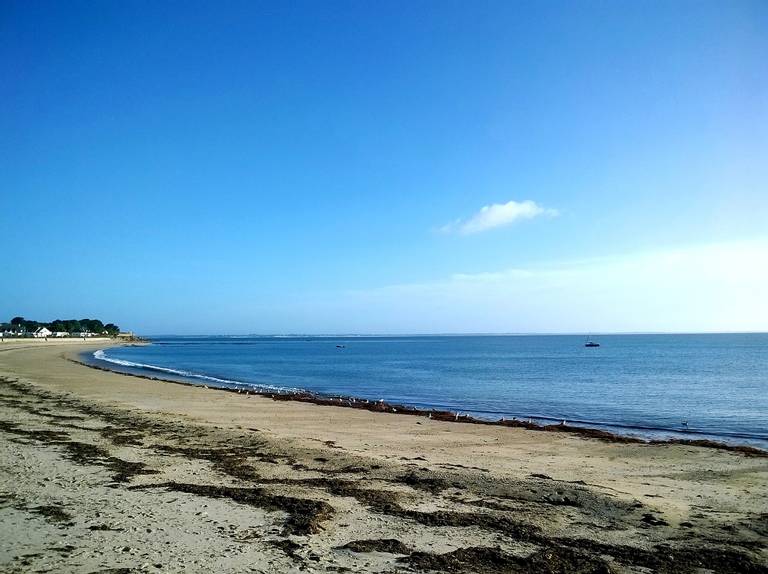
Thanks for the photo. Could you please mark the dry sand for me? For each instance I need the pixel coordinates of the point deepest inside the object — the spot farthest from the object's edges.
(101, 472)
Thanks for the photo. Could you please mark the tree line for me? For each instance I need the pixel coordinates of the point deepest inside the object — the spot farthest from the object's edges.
(22, 325)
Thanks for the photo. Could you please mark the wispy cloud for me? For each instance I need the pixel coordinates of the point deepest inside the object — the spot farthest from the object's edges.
(498, 215)
(709, 287)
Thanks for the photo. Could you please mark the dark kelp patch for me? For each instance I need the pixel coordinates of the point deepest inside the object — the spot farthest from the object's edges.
(556, 560)
(666, 559)
(431, 484)
(81, 452)
(288, 547)
(232, 461)
(86, 453)
(52, 513)
(389, 545)
(304, 515)
(44, 436)
(388, 502)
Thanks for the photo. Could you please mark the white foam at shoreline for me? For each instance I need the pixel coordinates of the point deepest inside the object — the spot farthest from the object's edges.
(101, 355)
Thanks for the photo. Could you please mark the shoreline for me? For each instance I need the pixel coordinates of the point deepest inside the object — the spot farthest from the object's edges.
(352, 402)
(101, 471)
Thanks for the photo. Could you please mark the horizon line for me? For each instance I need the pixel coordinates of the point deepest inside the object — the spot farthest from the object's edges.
(460, 334)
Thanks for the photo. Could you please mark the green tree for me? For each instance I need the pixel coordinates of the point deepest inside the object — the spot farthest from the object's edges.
(92, 325)
(111, 329)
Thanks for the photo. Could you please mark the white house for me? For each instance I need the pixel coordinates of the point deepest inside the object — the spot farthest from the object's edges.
(61, 334)
(42, 332)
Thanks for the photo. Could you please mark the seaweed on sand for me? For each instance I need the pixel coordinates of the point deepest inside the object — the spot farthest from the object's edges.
(304, 515)
(479, 560)
(389, 545)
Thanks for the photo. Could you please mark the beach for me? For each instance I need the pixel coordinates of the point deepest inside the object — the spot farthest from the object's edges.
(104, 471)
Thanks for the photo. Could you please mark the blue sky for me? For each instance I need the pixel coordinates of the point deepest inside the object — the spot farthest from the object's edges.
(386, 167)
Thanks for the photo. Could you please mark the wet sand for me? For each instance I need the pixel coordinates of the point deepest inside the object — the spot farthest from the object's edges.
(105, 471)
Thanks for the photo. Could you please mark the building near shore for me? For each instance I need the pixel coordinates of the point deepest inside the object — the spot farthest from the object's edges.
(42, 332)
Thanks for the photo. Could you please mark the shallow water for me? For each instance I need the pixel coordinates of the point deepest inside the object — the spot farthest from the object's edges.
(645, 385)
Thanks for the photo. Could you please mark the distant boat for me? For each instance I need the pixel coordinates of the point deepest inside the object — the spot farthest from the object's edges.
(340, 347)
(591, 343)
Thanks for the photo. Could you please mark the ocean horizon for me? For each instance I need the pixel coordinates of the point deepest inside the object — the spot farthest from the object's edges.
(448, 334)
(654, 386)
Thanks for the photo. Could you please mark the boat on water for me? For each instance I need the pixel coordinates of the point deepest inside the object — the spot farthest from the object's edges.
(591, 343)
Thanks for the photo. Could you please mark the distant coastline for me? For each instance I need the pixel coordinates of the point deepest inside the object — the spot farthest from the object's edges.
(398, 334)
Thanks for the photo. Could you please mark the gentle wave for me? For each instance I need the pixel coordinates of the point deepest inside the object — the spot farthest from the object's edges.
(102, 356)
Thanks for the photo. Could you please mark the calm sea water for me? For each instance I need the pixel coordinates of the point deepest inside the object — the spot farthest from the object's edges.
(635, 384)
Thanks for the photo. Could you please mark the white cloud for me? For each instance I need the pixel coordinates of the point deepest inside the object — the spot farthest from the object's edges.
(498, 215)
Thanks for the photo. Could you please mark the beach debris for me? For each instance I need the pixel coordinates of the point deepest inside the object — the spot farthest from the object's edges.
(304, 515)
(388, 545)
(652, 520)
(487, 560)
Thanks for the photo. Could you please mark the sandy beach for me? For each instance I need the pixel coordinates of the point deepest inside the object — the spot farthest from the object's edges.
(103, 472)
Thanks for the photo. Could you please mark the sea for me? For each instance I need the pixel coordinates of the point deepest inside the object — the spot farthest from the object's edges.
(697, 386)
